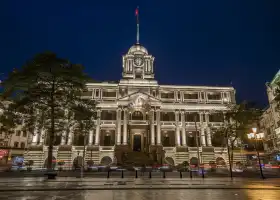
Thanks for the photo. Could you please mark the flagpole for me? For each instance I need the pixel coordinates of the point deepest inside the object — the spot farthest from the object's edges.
(137, 18)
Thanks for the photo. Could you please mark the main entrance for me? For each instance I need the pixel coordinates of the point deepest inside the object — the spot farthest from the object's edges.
(137, 143)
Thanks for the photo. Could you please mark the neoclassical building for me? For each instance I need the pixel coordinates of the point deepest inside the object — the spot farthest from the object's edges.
(138, 114)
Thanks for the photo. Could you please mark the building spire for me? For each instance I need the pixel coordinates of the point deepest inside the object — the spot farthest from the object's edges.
(137, 21)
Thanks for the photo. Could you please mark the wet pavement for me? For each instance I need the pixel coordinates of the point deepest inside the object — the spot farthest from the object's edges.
(145, 195)
(70, 183)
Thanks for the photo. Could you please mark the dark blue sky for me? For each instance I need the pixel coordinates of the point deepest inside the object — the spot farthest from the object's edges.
(203, 42)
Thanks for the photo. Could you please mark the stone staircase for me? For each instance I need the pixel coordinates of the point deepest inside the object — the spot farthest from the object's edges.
(137, 159)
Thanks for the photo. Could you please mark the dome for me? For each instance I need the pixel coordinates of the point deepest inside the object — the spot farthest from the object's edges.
(137, 48)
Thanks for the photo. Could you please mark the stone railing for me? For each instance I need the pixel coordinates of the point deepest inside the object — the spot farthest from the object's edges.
(108, 122)
(172, 123)
(138, 122)
(106, 148)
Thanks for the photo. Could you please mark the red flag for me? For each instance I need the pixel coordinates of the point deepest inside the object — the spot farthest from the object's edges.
(136, 12)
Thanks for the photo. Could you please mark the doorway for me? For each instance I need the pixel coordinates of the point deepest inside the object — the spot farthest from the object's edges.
(137, 142)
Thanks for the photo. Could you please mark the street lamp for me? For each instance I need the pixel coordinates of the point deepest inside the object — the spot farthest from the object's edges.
(257, 136)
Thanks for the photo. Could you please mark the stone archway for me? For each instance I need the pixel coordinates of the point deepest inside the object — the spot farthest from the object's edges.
(106, 160)
(169, 161)
(221, 162)
(194, 161)
(53, 162)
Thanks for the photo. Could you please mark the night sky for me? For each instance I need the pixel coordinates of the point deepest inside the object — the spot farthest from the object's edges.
(195, 42)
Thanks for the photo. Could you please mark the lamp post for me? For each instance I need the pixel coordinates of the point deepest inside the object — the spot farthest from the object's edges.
(257, 136)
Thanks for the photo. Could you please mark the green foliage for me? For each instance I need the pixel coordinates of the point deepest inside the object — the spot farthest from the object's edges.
(43, 90)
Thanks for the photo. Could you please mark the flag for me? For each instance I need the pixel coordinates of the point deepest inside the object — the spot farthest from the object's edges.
(137, 14)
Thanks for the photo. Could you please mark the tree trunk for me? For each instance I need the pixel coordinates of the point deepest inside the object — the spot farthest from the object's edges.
(229, 157)
(51, 132)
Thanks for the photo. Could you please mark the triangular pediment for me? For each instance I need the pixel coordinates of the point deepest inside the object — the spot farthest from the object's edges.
(137, 95)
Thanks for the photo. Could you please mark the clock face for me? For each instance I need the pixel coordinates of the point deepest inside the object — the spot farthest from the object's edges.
(138, 61)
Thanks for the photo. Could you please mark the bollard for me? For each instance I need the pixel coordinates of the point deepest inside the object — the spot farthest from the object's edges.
(122, 173)
(108, 174)
(163, 174)
(181, 175)
(150, 174)
(202, 173)
(190, 173)
(136, 175)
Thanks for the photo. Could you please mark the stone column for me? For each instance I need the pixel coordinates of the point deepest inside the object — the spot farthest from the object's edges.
(202, 137)
(208, 131)
(208, 136)
(184, 140)
(97, 130)
(158, 128)
(63, 138)
(42, 136)
(90, 138)
(152, 127)
(70, 136)
(125, 127)
(178, 139)
(119, 126)
(35, 136)
(202, 130)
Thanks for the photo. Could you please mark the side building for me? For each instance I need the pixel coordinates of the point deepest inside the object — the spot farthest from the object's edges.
(270, 120)
(138, 115)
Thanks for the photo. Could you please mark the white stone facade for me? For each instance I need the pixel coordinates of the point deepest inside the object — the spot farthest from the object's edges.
(139, 113)
(270, 120)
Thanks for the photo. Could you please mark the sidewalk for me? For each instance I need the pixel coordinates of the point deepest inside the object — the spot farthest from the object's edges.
(41, 184)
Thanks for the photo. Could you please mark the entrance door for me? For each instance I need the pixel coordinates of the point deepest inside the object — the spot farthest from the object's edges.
(137, 143)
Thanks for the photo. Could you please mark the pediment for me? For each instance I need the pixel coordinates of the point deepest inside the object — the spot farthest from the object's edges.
(139, 96)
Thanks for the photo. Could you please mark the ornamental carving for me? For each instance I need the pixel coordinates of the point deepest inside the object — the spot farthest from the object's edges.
(140, 103)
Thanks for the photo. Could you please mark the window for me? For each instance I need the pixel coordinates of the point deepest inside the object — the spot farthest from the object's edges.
(24, 134)
(167, 116)
(214, 96)
(167, 95)
(192, 117)
(137, 115)
(97, 93)
(217, 117)
(16, 144)
(191, 96)
(108, 115)
(18, 133)
(109, 93)
(22, 145)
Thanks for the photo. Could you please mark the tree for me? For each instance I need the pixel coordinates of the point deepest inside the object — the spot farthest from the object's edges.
(238, 120)
(47, 84)
(8, 121)
(84, 115)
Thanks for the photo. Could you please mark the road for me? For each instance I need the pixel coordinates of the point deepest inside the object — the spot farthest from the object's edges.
(193, 194)
(141, 188)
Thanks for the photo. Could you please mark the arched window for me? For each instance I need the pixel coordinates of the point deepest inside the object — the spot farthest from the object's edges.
(137, 115)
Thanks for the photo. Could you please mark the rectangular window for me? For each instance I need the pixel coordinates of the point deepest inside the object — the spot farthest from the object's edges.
(214, 96)
(97, 93)
(109, 93)
(167, 95)
(24, 133)
(18, 133)
(191, 95)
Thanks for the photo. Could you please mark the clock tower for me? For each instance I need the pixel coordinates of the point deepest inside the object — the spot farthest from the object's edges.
(137, 63)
